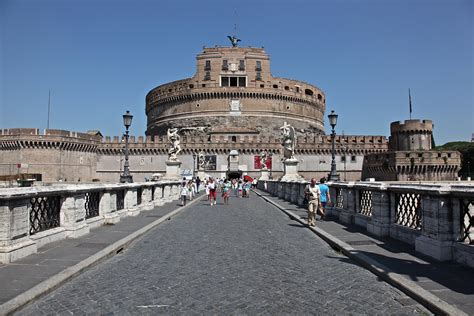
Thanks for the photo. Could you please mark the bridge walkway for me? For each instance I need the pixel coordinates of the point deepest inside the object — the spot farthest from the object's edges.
(242, 258)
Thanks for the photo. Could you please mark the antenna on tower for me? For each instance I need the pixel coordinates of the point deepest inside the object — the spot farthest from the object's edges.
(233, 39)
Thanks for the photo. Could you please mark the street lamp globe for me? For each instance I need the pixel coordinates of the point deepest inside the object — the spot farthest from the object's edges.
(332, 119)
(127, 119)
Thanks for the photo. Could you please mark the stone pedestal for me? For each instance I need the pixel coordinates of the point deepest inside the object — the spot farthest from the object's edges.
(172, 170)
(290, 171)
(265, 175)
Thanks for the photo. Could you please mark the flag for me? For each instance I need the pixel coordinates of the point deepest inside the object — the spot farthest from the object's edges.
(409, 101)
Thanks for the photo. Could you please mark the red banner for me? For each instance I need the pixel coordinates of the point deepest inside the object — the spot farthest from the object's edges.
(257, 164)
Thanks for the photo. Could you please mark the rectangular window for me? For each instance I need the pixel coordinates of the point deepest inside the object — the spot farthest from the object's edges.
(207, 76)
(353, 158)
(227, 81)
(258, 76)
(241, 65)
(224, 81)
(258, 67)
(208, 65)
(343, 158)
(225, 65)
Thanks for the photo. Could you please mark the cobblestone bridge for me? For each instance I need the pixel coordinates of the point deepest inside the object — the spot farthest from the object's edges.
(242, 258)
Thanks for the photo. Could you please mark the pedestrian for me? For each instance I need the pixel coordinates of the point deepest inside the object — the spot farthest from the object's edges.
(325, 197)
(184, 193)
(190, 190)
(246, 188)
(198, 183)
(312, 194)
(235, 186)
(212, 191)
(254, 183)
(240, 188)
(206, 183)
(226, 191)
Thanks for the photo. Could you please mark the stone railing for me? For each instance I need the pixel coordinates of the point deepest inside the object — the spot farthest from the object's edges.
(33, 217)
(437, 219)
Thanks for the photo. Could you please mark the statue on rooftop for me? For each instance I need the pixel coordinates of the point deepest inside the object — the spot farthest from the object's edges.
(234, 40)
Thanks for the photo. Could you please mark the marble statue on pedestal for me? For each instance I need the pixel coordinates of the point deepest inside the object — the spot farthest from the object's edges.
(174, 139)
(288, 141)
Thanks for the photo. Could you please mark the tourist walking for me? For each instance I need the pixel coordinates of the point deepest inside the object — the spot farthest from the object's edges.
(325, 197)
(207, 188)
(246, 188)
(240, 188)
(184, 193)
(212, 191)
(226, 191)
(198, 183)
(312, 194)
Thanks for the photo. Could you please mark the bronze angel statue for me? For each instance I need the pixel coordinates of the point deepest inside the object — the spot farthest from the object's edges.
(234, 40)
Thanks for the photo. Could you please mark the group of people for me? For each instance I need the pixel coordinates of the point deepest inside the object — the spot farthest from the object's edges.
(317, 196)
(189, 189)
(239, 188)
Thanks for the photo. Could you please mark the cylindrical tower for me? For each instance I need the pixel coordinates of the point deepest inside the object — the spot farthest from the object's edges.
(233, 89)
(411, 135)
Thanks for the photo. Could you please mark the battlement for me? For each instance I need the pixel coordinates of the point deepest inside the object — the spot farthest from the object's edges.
(408, 126)
(43, 134)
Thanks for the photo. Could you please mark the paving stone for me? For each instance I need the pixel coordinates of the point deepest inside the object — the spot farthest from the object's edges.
(242, 259)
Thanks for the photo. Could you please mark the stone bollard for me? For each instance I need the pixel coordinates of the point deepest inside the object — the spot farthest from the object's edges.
(379, 224)
(347, 215)
(73, 216)
(147, 198)
(14, 231)
(108, 208)
(130, 203)
(437, 239)
(158, 201)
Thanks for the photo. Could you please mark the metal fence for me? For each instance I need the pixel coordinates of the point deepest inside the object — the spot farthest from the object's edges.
(408, 210)
(44, 213)
(467, 221)
(365, 202)
(92, 204)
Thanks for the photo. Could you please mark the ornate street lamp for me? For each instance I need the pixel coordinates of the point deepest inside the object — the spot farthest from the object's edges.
(194, 165)
(126, 177)
(333, 176)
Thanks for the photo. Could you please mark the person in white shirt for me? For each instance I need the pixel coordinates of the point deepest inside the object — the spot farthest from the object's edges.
(211, 185)
(184, 193)
(313, 195)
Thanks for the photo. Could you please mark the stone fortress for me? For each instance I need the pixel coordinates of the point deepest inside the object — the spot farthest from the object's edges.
(232, 103)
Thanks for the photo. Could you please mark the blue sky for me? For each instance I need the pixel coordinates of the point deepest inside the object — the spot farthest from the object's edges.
(101, 57)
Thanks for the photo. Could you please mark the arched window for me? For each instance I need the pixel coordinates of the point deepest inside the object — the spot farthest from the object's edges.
(234, 139)
(308, 91)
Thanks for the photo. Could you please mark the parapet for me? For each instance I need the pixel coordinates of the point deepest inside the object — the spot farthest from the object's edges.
(410, 126)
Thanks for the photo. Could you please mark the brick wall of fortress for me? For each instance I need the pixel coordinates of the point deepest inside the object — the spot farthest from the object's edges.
(265, 102)
(57, 156)
(262, 109)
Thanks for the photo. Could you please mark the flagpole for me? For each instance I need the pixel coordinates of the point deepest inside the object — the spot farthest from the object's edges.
(49, 107)
(409, 101)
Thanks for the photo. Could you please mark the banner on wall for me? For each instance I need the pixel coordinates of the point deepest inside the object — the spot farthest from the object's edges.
(257, 164)
(210, 162)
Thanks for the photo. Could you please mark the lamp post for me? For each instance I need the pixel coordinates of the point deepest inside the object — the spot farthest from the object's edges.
(126, 177)
(194, 165)
(333, 176)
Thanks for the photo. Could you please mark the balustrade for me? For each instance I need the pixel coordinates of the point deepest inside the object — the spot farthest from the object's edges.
(32, 217)
(437, 219)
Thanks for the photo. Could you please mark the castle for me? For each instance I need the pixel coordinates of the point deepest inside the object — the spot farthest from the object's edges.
(232, 103)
